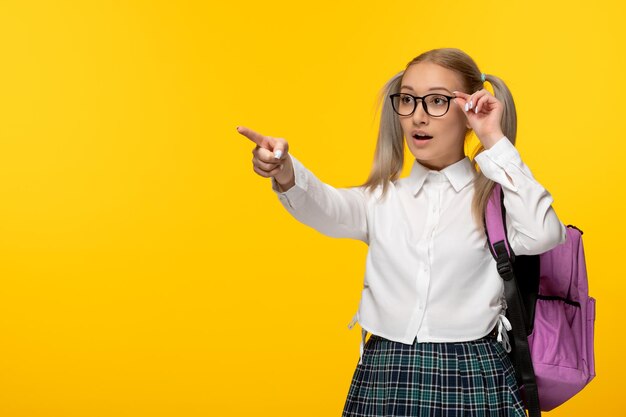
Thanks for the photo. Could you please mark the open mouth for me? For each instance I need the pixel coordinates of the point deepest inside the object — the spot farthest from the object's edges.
(422, 137)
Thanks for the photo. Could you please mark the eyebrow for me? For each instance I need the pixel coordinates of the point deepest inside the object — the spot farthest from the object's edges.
(430, 89)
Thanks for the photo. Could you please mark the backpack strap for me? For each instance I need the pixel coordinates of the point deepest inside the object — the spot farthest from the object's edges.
(495, 229)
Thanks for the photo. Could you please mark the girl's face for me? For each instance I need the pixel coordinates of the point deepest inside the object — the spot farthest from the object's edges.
(447, 131)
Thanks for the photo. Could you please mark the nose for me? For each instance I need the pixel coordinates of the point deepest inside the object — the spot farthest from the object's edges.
(420, 115)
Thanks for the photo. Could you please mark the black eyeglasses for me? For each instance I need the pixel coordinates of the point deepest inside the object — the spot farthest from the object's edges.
(435, 105)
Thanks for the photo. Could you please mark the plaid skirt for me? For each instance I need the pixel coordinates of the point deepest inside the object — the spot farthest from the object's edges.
(464, 379)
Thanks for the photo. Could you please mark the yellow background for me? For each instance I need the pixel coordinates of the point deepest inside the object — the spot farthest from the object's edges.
(146, 270)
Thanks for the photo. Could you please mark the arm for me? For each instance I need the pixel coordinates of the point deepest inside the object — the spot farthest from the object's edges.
(532, 224)
(335, 212)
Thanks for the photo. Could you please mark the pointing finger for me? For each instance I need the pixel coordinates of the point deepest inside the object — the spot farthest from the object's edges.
(255, 137)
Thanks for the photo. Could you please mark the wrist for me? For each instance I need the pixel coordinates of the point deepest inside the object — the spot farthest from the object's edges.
(490, 139)
(284, 185)
(285, 178)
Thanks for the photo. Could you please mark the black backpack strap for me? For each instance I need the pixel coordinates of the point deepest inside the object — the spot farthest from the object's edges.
(495, 226)
(521, 352)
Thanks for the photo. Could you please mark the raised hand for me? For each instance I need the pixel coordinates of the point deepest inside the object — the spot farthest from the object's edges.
(484, 113)
(270, 157)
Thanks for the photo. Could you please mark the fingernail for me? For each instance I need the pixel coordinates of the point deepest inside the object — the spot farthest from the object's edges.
(466, 106)
(471, 104)
(278, 154)
(476, 110)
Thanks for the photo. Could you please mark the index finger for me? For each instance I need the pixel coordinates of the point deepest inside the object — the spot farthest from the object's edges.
(251, 134)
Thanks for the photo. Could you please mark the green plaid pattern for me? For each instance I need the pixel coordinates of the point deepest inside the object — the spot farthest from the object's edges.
(464, 379)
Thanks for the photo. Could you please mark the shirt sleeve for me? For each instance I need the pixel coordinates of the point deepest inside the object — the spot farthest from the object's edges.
(532, 224)
(335, 212)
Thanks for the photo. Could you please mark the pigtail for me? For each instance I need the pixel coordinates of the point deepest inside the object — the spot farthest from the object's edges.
(509, 117)
(483, 186)
(389, 154)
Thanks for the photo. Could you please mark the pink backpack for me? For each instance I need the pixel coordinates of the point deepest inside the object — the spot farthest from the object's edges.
(550, 311)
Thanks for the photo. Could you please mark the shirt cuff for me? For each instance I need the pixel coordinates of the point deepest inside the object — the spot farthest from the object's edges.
(292, 196)
(502, 163)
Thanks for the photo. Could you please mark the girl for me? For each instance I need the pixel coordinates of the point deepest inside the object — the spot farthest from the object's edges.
(432, 298)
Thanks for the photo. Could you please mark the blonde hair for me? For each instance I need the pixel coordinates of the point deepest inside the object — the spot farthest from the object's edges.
(389, 154)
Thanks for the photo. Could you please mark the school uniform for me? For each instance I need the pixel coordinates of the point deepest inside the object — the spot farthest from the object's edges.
(431, 296)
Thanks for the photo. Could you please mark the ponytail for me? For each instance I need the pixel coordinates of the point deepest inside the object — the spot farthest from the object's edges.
(483, 185)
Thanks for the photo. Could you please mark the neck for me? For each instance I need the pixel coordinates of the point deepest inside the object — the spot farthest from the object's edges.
(439, 165)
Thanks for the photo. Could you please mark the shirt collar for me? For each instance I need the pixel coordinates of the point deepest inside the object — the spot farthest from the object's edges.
(458, 174)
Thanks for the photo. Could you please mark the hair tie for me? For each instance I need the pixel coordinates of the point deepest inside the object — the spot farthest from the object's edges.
(482, 76)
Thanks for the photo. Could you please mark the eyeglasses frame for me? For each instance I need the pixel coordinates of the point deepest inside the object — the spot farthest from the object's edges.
(424, 106)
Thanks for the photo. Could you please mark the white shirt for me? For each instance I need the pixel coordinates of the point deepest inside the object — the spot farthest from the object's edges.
(429, 272)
